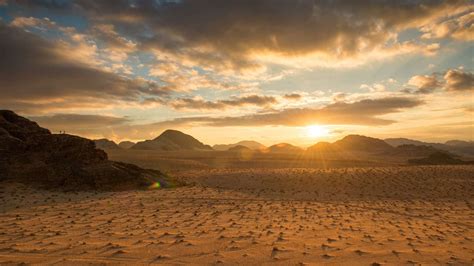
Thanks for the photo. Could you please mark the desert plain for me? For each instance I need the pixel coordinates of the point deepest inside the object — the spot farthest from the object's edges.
(288, 216)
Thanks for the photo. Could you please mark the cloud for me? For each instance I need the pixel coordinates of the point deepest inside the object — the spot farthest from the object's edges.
(293, 96)
(78, 121)
(425, 83)
(243, 36)
(363, 112)
(457, 80)
(117, 47)
(36, 74)
(183, 78)
(197, 103)
(459, 27)
(454, 80)
(376, 87)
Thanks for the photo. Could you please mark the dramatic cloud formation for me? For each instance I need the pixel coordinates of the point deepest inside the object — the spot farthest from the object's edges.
(234, 63)
(364, 112)
(34, 71)
(188, 103)
(243, 33)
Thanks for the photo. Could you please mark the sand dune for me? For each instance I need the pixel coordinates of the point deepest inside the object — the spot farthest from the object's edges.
(386, 215)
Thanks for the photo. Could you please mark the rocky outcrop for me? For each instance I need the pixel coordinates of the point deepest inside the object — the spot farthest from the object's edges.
(29, 153)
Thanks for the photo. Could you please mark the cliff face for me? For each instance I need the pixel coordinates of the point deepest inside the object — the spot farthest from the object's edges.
(29, 153)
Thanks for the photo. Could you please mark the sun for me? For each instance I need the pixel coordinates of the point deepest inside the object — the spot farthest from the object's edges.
(315, 131)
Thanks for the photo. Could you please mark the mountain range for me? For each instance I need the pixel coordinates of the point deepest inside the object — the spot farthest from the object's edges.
(173, 140)
(106, 144)
(459, 147)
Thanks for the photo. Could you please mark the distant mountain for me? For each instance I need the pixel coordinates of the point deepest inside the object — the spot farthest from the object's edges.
(353, 143)
(410, 150)
(126, 144)
(240, 148)
(105, 144)
(399, 147)
(362, 143)
(247, 143)
(458, 147)
(395, 142)
(321, 147)
(171, 140)
(284, 147)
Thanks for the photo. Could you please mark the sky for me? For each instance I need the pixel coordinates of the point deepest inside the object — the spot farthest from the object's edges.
(295, 71)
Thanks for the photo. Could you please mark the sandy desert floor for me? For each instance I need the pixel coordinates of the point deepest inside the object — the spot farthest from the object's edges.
(396, 215)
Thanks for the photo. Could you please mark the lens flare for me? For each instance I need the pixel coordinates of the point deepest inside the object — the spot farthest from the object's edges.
(155, 185)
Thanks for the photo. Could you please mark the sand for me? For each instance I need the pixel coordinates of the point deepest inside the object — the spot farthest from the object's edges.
(384, 215)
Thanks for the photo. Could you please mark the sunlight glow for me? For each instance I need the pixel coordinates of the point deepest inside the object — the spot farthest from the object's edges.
(315, 131)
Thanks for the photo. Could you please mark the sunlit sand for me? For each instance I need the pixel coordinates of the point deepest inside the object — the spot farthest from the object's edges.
(393, 215)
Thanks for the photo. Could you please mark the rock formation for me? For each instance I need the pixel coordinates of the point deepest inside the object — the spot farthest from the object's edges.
(31, 154)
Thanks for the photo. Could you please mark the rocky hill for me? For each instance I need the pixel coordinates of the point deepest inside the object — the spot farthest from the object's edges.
(172, 140)
(353, 143)
(31, 154)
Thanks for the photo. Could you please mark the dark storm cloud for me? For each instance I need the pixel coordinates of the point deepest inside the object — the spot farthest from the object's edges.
(34, 71)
